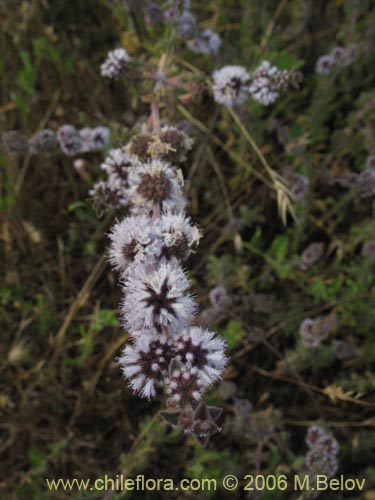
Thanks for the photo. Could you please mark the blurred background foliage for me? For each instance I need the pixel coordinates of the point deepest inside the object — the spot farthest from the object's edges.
(65, 410)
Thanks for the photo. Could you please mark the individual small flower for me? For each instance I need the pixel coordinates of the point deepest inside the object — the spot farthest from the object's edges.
(156, 183)
(207, 42)
(117, 165)
(94, 139)
(311, 255)
(219, 297)
(69, 140)
(178, 235)
(116, 63)
(298, 184)
(201, 349)
(157, 298)
(264, 88)
(43, 141)
(324, 64)
(108, 194)
(145, 363)
(132, 242)
(368, 249)
(14, 142)
(230, 85)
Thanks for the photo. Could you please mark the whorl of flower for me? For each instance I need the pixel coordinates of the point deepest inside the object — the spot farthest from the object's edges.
(201, 349)
(177, 7)
(298, 184)
(206, 42)
(180, 143)
(43, 141)
(322, 455)
(69, 140)
(145, 363)
(219, 297)
(230, 85)
(368, 249)
(133, 241)
(14, 142)
(338, 56)
(268, 81)
(178, 235)
(310, 255)
(156, 183)
(115, 64)
(313, 332)
(324, 64)
(94, 139)
(171, 143)
(157, 298)
(117, 165)
(108, 194)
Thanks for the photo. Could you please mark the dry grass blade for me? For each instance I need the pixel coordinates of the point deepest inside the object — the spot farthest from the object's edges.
(283, 194)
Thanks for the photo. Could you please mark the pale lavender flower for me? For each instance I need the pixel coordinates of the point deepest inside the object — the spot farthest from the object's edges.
(201, 349)
(156, 183)
(108, 194)
(324, 449)
(187, 24)
(206, 42)
(230, 85)
(313, 332)
(263, 88)
(219, 297)
(178, 235)
(117, 165)
(183, 385)
(133, 241)
(116, 63)
(94, 139)
(157, 299)
(145, 363)
(324, 64)
(14, 142)
(43, 141)
(69, 140)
